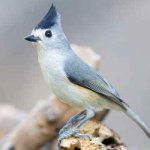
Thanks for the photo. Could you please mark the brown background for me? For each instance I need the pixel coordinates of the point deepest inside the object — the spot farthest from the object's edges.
(118, 30)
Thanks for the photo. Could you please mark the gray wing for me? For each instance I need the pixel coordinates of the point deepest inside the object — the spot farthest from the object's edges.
(81, 74)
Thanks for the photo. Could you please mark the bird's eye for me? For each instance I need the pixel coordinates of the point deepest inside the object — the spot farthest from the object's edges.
(48, 33)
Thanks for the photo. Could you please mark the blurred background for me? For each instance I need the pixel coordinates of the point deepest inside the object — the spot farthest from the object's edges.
(118, 30)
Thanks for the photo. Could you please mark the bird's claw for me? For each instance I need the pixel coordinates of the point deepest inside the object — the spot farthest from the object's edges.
(70, 133)
(80, 135)
(65, 135)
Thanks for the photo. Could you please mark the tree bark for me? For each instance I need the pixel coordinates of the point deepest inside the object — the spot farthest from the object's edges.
(102, 138)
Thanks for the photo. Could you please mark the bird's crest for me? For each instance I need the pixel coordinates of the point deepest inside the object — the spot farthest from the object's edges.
(49, 20)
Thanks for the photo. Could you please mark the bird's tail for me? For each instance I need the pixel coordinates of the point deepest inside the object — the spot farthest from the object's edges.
(137, 120)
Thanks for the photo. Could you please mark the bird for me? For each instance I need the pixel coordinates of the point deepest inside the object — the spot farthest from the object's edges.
(72, 80)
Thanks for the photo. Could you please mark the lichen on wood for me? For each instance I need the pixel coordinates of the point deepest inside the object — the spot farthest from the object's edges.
(102, 138)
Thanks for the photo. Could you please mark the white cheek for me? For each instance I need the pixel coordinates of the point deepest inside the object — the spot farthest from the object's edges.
(45, 42)
(50, 42)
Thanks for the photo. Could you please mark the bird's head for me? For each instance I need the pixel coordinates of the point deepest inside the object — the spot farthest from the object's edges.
(48, 33)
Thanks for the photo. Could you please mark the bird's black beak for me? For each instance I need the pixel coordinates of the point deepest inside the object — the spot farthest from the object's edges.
(32, 38)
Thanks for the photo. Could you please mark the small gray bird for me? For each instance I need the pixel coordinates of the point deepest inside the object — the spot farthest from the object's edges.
(71, 79)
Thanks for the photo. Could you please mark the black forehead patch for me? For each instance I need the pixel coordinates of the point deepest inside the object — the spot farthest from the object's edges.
(49, 20)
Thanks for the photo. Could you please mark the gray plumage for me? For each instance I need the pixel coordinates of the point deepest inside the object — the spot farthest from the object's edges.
(49, 20)
(71, 79)
(81, 74)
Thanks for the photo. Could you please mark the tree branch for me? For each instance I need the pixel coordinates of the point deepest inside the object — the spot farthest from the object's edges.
(102, 138)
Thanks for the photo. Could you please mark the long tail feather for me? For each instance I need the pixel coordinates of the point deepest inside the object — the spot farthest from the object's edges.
(138, 120)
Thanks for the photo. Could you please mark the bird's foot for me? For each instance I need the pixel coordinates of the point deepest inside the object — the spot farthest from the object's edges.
(70, 133)
(76, 118)
(64, 129)
(66, 134)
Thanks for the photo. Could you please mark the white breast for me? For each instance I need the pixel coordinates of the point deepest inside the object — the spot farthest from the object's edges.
(52, 65)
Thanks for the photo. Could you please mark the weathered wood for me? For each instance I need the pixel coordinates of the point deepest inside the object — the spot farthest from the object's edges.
(102, 138)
